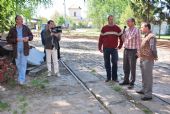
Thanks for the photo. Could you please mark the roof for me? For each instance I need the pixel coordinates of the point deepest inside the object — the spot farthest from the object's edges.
(74, 6)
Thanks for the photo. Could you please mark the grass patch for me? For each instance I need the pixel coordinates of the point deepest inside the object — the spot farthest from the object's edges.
(39, 83)
(93, 71)
(4, 106)
(147, 111)
(12, 83)
(117, 88)
(167, 37)
(22, 105)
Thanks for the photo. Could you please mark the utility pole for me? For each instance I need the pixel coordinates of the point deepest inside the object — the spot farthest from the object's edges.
(65, 12)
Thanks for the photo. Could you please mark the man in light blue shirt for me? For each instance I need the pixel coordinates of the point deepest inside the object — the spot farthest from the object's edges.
(21, 60)
(19, 36)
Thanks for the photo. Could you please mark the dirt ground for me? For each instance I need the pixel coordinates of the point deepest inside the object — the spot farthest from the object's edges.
(48, 95)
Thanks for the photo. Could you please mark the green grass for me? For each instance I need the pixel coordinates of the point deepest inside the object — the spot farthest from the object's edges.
(4, 106)
(147, 111)
(164, 37)
(21, 106)
(117, 88)
(93, 71)
(39, 83)
(95, 32)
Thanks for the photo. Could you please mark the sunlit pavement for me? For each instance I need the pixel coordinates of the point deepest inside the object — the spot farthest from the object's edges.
(84, 53)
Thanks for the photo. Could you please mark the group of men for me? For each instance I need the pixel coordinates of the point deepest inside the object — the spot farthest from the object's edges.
(112, 38)
(20, 35)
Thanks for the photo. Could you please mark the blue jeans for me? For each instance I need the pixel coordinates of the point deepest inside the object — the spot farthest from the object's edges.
(111, 56)
(21, 63)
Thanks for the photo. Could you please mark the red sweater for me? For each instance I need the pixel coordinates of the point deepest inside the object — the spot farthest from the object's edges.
(110, 37)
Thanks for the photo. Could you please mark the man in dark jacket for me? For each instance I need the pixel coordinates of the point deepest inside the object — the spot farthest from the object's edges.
(19, 36)
(51, 47)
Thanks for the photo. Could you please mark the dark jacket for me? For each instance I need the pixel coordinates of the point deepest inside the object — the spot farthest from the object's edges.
(48, 41)
(43, 36)
(12, 39)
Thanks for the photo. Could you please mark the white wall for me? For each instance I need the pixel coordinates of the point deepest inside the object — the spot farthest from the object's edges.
(78, 13)
(164, 28)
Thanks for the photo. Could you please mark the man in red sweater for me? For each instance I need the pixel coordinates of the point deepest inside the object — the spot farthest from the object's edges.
(109, 41)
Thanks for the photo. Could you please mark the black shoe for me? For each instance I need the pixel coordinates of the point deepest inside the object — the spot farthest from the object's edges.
(124, 83)
(130, 86)
(107, 80)
(116, 81)
(146, 98)
(140, 92)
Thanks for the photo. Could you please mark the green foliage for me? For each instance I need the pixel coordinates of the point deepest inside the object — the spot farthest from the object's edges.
(60, 20)
(142, 10)
(4, 106)
(6, 13)
(127, 13)
(117, 88)
(39, 83)
(10, 8)
(72, 23)
(147, 111)
(22, 105)
(82, 24)
(100, 9)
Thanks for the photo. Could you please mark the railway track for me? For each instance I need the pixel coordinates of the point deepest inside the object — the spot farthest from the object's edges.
(137, 84)
(86, 88)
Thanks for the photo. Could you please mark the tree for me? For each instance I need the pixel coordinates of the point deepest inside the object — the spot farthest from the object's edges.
(60, 20)
(161, 13)
(127, 13)
(5, 14)
(99, 10)
(10, 8)
(143, 10)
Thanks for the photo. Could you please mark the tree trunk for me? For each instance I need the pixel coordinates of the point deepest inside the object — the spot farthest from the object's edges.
(159, 29)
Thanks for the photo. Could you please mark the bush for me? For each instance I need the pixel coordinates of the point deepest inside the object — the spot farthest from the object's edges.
(82, 25)
(60, 20)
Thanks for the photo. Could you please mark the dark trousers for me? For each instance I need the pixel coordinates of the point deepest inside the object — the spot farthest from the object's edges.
(58, 51)
(111, 56)
(44, 56)
(129, 65)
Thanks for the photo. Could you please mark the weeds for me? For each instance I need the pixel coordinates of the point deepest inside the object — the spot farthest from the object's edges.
(22, 105)
(93, 71)
(147, 111)
(4, 106)
(39, 83)
(117, 88)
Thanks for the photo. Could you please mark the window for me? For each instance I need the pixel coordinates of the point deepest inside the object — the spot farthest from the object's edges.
(75, 14)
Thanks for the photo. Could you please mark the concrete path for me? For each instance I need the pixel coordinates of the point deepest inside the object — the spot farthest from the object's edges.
(84, 54)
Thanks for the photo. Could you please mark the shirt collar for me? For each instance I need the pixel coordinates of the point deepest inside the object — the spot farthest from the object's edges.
(147, 33)
(19, 27)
